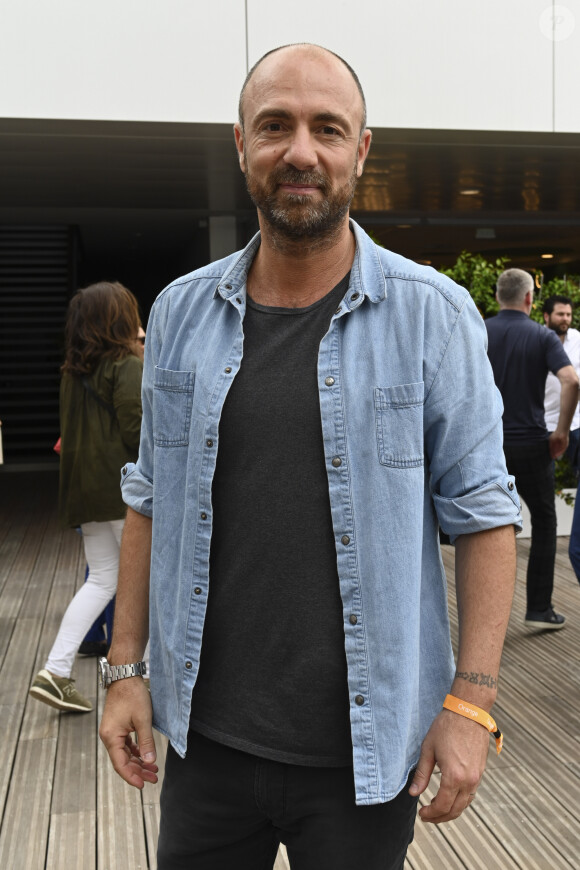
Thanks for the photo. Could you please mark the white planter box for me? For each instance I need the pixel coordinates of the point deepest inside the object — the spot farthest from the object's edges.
(564, 514)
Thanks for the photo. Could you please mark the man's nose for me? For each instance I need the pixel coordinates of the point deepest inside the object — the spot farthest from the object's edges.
(301, 150)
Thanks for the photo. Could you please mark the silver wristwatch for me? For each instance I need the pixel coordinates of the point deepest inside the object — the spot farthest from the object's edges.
(110, 673)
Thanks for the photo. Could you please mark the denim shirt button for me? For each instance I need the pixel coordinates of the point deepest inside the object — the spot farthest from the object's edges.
(359, 700)
(329, 381)
(203, 515)
(510, 486)
(188, 665)
(345, 540)
(337, 461)
(197, 591)
(353, 619)
(209, 442)
(354, 296)
(227, 370)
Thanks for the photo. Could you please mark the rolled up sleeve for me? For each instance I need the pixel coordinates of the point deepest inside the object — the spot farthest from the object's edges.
(471, 488)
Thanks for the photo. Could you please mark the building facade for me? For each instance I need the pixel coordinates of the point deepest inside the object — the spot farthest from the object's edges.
(117, 158)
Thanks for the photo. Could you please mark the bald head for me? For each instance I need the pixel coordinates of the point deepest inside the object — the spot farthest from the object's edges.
(308, 49)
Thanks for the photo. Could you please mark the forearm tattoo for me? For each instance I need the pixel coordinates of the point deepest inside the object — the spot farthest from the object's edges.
(477, 679)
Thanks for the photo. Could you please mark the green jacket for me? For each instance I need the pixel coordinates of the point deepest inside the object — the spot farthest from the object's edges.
(96, 443)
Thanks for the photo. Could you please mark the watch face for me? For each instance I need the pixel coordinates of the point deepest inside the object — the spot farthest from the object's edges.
(104, 672)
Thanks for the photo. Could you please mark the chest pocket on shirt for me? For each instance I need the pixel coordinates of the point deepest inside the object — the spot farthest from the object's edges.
(172, 404)
(399, 423)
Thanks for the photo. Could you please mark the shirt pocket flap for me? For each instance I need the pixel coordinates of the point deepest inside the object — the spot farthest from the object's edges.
(399, 424)
(172, 404)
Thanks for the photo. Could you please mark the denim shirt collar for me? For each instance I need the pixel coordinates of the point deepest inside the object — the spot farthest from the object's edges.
(367, 278)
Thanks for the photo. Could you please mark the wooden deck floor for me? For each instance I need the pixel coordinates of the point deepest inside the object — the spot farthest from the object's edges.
(63, 808)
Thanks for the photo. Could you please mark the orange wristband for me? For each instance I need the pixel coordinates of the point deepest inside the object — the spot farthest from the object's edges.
(476, 714)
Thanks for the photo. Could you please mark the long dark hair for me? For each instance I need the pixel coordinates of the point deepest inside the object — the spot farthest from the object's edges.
(102, 321)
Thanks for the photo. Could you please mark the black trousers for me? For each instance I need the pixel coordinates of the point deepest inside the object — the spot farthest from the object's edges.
(533, 469)
(221, 808)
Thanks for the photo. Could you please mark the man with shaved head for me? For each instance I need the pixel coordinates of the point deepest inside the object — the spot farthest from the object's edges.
(315, 409)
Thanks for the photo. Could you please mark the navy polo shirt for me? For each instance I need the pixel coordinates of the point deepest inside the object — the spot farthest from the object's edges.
(522, 353)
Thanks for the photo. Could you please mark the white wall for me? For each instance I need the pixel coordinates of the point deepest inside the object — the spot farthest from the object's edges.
(567, 66)
(456, 64)
(132, 60)
(447, 64)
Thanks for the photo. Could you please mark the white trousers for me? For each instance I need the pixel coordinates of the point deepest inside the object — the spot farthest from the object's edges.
(102, 542)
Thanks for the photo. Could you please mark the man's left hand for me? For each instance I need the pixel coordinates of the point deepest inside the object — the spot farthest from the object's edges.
(459, 747)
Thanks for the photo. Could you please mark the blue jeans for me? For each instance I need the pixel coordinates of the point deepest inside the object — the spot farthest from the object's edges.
(533, 469)
(222, 808)
(574, 545)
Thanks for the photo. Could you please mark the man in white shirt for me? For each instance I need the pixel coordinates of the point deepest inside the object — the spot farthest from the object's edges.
(558, 316)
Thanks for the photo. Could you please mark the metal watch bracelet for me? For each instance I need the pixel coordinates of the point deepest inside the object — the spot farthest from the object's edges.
(111, 673)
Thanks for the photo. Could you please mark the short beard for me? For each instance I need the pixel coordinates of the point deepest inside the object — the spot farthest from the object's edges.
(297, 222)
(560, 330)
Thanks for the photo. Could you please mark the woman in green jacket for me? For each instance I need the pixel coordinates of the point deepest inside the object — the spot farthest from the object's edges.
(100, 420)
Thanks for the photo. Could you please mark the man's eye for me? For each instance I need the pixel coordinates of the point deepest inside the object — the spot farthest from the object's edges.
(273, 127)
(330, 131)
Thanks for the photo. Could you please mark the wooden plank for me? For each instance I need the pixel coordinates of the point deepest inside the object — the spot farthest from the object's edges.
(430, 850)
(120, 823)
(57, 782)
(501, 822)
(76, 759)
(547, 816)
(471, 839)
(28, 807)
(526, 836)
(72, 833)
(13, 702)
(34, 725)
(554, 776)
(72, 841)
(47, 573)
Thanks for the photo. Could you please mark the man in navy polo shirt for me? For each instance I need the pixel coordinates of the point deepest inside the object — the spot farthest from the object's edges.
(522, 353)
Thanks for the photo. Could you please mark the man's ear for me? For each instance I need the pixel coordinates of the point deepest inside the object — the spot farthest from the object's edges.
(363, 150)
(546, 317)
(239, 137)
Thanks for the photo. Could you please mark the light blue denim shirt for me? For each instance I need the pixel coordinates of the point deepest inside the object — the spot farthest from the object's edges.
(412, 431)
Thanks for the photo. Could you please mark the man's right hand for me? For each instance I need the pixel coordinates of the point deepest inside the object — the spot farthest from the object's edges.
(128, 711)
(558, 443)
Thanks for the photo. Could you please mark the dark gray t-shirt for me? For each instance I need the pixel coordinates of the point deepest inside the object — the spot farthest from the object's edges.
(272, 677)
